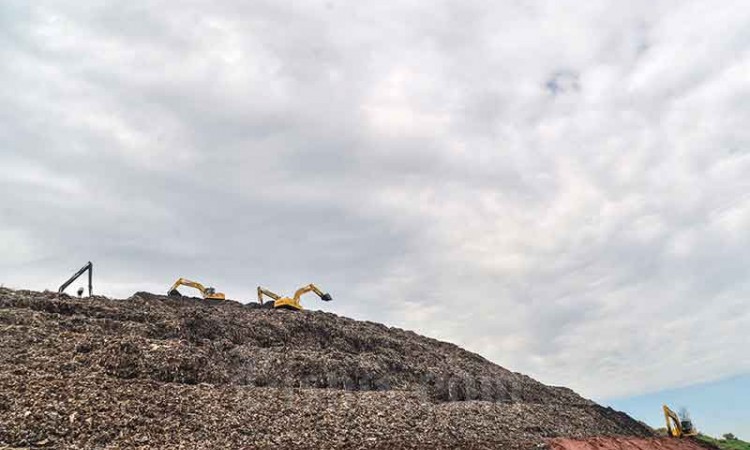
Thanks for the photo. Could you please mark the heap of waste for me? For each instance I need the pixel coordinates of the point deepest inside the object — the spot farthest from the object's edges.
(155, 371)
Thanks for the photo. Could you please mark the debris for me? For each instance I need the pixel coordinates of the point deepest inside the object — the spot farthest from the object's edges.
(179, 372)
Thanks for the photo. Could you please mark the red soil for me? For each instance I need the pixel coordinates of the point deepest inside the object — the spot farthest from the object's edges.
(622, 443)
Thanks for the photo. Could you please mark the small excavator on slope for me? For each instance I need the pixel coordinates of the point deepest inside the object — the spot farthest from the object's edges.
(293, 303)
(208, 293)
(678, 426)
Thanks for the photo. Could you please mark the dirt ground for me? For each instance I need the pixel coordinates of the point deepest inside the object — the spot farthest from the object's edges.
(623, 443)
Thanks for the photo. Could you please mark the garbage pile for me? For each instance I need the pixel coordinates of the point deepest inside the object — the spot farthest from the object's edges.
(155, 371)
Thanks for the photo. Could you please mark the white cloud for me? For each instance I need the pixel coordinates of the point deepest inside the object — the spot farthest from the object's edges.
(561, 187)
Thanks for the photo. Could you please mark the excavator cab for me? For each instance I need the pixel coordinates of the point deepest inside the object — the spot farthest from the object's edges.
(292, 303)
(208, 293)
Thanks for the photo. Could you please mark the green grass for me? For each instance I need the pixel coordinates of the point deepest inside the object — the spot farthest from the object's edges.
(723, 444)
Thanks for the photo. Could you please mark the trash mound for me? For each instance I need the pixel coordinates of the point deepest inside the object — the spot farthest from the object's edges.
(157, 371)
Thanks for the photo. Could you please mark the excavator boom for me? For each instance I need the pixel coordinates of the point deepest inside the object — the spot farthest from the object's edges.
(294, 302)
(267, 293)
(312, 288)
(208, 293)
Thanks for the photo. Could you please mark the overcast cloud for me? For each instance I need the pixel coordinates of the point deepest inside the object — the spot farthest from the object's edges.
(560, 186)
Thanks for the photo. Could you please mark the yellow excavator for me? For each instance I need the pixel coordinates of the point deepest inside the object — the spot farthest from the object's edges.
(293, 303)
(208, 293)
(678, 426)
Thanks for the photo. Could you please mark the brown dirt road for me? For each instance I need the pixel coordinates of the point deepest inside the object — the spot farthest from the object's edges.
(623, 443)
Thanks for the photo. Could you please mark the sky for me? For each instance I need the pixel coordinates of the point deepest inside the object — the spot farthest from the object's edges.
(712, 417)
(561, 186)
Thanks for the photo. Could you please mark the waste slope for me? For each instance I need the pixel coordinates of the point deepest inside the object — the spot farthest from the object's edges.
(164, 372)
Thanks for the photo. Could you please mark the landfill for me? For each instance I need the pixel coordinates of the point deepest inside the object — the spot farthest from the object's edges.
(154, 371)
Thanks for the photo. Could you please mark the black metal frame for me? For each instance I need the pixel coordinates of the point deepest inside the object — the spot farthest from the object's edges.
(88, 267)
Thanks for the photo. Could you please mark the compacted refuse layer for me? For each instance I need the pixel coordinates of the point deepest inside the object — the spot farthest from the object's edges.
(155, 371)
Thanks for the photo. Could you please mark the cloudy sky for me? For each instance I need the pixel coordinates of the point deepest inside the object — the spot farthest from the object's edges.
(560, 186)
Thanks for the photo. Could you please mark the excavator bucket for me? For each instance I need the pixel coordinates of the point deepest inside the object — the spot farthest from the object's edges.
(326, 297)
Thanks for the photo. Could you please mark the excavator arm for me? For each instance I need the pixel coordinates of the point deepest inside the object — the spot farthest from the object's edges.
(674, 429)
(206, 292)
(311, 288)
(188, 283)
(292, 303)
(267, 293)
